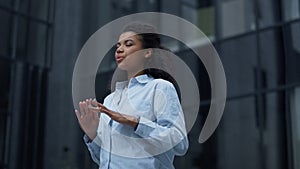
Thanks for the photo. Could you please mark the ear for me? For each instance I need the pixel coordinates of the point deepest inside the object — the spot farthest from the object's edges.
(148, 53)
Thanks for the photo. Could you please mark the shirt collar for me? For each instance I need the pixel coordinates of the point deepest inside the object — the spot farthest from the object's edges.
(143, 78)
(121, 85)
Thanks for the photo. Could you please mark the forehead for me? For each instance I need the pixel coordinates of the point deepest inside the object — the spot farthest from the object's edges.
(128, 35)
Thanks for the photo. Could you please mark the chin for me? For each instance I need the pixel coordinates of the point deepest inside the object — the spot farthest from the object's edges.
(122, 66)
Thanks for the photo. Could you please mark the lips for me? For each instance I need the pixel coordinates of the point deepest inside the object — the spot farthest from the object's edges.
(119, 59)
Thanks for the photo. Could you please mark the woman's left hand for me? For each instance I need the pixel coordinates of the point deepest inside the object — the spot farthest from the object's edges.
(121, 118)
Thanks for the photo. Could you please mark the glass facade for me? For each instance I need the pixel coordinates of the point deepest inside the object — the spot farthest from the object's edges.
(295, 127)
(258, 43)
(26, 33)
(290, 9)
(236, 17)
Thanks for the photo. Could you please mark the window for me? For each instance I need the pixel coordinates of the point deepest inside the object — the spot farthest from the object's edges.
(5, 30)
(32, 42)
(24, 59)
(290, 9)
(271, 57)
(295, 124)
(4, 91)
(239, 58)
(268, 13)
(292, 51)
(238, 136)
(200, 13)
(236, 17)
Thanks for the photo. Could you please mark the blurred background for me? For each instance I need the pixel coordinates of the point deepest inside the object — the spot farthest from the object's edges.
(258, 42)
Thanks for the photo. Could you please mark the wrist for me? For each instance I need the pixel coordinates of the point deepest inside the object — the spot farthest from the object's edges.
(91, 136)
(137, 120)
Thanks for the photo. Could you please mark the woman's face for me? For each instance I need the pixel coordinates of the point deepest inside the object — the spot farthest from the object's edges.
(126, 58)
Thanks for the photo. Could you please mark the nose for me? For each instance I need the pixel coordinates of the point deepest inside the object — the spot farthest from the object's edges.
(120, 49)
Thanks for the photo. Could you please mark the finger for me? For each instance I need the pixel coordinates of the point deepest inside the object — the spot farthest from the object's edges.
(94, 106)
(94, 109)
(85, 107)
(89, 102)
(77, 114)
(94, 102)
(96, 114)
(100, 105)
(81, 109)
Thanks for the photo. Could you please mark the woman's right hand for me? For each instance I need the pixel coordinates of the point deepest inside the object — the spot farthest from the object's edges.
(88, 119)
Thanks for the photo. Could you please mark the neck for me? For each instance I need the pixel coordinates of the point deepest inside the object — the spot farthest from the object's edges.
(134, 74)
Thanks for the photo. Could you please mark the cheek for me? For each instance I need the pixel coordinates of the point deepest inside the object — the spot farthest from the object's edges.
(135, 59)
(132, 51)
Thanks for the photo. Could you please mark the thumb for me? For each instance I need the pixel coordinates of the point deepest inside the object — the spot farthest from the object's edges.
(94, 102)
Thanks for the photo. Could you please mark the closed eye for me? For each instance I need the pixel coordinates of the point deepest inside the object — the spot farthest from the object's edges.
(128, 42)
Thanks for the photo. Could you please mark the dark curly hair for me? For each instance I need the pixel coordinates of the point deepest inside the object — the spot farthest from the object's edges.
(151, 39)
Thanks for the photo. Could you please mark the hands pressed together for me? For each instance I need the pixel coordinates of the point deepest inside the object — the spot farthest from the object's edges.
(88, 117)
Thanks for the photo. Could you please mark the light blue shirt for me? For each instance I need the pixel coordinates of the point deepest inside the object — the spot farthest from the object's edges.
(159, 136)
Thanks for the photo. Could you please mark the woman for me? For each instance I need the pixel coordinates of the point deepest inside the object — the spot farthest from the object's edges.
(141, 123)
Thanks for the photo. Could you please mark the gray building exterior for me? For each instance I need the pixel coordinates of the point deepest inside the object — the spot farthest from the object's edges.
(258, 42)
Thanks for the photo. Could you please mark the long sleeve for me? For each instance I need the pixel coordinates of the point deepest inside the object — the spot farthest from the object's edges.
(168, 130)
(159, 136)
(94, 148)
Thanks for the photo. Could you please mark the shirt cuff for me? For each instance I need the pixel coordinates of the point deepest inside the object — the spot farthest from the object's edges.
(88, 141)
(145, 127)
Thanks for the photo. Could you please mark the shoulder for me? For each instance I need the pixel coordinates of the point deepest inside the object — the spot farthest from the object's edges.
(108, 98)
(164, 86)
